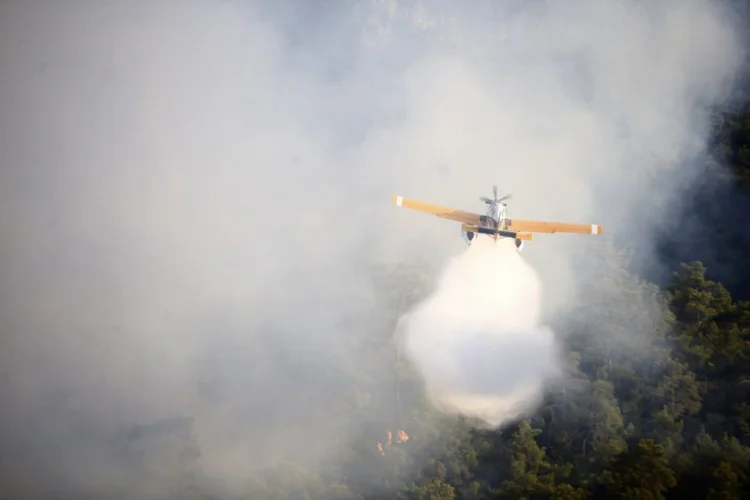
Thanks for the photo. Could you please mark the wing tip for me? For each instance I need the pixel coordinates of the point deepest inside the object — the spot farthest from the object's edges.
(398, 200)
(597, 229)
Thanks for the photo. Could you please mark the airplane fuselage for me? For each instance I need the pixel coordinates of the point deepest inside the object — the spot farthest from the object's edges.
(496, 214)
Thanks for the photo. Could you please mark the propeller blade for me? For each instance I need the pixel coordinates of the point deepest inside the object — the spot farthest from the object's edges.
(506, 197)
(494, 191)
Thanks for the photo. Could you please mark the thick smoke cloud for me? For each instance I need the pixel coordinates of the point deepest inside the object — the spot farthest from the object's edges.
(478, 340)
(192, 195)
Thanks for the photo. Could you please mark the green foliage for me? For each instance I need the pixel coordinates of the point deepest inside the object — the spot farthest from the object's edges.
(642, 473)
(530, 471)
(731, 142)
(434, 490)
(655, 404)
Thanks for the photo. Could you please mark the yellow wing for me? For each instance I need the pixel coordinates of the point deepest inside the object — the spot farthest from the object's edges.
(551, 227)
(443, 212)
(522, 226)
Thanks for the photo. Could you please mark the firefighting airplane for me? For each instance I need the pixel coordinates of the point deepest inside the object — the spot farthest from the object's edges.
(496, 223)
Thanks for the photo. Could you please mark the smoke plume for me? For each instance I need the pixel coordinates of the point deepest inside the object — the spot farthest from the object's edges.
(477, 340)
(193, 195)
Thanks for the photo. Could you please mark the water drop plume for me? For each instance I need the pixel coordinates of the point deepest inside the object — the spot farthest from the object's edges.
(477, 340)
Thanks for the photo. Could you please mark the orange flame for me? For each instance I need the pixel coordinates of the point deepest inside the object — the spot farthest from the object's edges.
(401, 437)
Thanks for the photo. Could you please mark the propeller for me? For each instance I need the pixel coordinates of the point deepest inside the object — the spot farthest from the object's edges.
(495, 200)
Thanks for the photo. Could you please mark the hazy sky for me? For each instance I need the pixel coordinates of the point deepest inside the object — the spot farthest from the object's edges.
(191, 192)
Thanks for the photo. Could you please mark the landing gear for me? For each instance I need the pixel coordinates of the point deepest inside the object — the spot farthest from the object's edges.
(519, 244)
(468, 236)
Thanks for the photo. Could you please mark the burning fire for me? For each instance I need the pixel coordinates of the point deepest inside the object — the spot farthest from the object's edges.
(401, 438)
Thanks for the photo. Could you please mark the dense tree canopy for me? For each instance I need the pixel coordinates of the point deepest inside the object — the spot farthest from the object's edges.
(731, 141)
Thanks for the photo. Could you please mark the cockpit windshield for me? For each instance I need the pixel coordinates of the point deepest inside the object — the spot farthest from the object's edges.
(497, 211)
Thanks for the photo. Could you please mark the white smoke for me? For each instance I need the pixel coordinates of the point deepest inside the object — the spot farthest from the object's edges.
(192, 195)
(477, 340)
